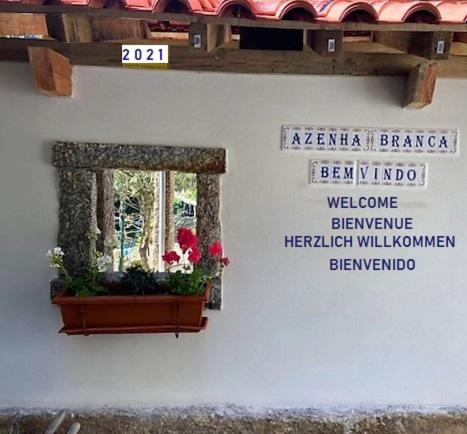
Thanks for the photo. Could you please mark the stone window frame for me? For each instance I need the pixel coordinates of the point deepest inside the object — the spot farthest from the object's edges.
(79, 166)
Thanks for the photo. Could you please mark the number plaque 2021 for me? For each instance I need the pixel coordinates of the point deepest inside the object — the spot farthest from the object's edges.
(148, 56)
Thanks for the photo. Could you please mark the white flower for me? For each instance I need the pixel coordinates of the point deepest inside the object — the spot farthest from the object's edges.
(58, 251)
(103, 262)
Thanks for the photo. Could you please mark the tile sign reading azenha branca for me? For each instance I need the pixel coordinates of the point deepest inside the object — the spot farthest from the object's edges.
(384, 232)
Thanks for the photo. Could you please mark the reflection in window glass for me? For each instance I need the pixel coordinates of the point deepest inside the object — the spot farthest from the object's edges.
(149, 207)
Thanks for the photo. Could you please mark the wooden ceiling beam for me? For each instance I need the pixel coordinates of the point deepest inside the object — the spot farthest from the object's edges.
(243, 61)
(52, 72)
(420, 86)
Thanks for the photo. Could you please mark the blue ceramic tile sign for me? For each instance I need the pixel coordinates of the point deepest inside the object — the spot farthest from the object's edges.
(391, 140)
(368, 173)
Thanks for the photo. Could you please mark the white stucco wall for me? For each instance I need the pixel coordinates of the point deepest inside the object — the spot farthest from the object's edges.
(291, 332)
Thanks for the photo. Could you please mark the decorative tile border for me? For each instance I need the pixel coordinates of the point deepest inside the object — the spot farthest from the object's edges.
(392, 140)
(77, 165)
(368, 173)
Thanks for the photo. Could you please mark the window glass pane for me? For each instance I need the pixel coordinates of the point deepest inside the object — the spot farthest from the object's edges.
(149, 207)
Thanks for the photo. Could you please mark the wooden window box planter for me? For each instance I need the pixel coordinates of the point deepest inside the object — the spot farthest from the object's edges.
(117, 314)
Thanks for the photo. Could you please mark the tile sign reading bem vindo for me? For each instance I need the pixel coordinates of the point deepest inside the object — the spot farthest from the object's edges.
(387, 243)
(369, 173)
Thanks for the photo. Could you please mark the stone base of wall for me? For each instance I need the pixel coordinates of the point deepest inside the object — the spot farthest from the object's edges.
(241, 421)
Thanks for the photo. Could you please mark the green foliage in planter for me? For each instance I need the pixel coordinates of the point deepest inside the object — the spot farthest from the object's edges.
(138, 281)
(87, 285)
(187, 283)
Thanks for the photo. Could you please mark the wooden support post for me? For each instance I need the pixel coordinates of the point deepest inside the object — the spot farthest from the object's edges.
(327, 43)
(52, 72)
(431, 45)
(420, 86)
(23, 25)
(69, 28)
(208, 37)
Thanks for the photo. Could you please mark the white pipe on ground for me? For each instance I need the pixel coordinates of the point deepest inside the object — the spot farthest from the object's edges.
(56, 423)
(74, 428)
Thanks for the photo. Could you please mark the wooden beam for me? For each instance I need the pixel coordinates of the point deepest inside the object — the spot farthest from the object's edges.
(70, 28)
(18, 7)
(367, 47)
(208, 37)
(420, 86)
(51, 71)
(431, 45)
(23, 25)
(243, 61)
(326, 43)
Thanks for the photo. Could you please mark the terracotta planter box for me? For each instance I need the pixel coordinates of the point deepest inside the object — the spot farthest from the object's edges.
(115, 314)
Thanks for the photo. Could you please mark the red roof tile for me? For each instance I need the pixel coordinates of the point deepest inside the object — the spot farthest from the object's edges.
(384, 11)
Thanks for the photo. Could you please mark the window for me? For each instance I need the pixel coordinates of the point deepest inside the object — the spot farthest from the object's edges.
(184, 178)
(148, 209)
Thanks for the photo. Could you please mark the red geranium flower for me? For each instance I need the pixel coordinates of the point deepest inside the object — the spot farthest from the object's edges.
(224, 261)
(195, 255)
(171, 257)
(186, 239)
(215, 249)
